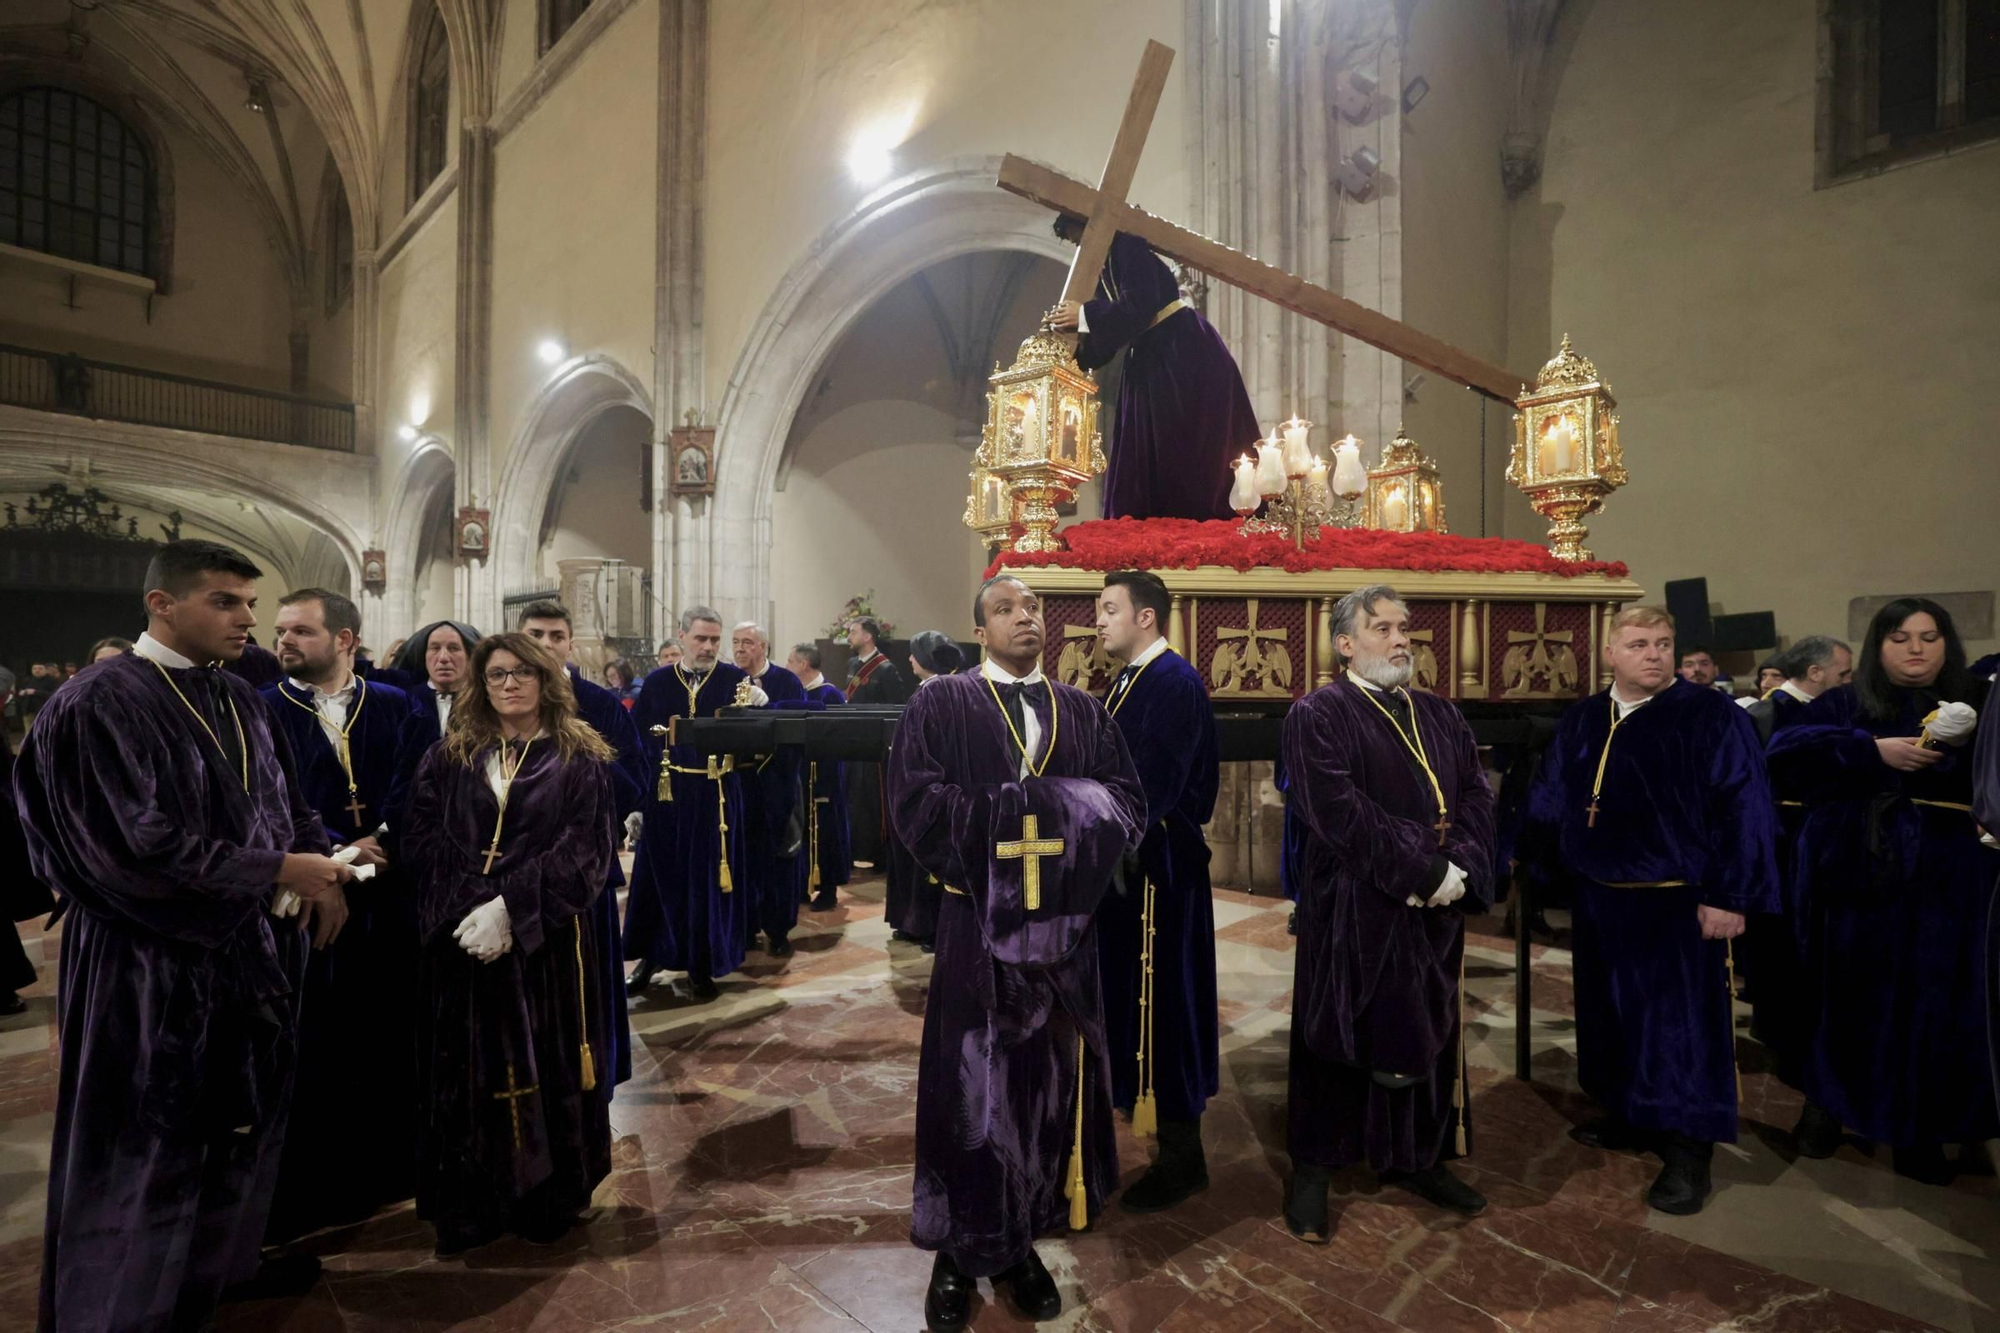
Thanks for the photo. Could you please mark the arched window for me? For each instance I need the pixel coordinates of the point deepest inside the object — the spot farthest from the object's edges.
(75, 181)
(430, 112)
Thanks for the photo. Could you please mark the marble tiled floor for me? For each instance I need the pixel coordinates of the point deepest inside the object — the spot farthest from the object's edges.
(762, 1179)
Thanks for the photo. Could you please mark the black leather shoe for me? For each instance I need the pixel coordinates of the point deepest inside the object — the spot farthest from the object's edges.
(279, 1276)
(1682, 1186)
(636, 984)
(11, 1004)
(1305, 1204)
(1031, 1289)
(1180, 1172)
(781, 947)
(948, 1303)
(1817, 1134)
(1609, 1133)
(703, 989)
(1441, 1187)
(1926, 1164)
(823, 901)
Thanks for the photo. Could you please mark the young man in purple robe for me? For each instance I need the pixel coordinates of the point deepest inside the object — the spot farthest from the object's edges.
(1653, 802)
(548, 623)
(157, 803)
(1018, 795)
(828, 830)
(912, 894)
(512, 828)
(690, 907)
(1398, 846)
(351, 1147)
(1894, 887)
(1156, 941)
(1183, 413)
(774, 842)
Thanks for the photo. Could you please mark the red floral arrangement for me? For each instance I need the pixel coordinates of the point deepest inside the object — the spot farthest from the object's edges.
(1185, 543)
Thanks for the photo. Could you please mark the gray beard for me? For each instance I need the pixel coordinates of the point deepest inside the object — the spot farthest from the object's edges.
(1382, 673)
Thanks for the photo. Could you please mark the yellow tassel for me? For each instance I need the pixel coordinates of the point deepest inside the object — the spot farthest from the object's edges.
(1079, 1200)
(1146, 1115)
(1458, 1084)
(665, 791)
(716, 773)
(589, 1069)
(812, 803)
(1146, 1109)
(585, 1060)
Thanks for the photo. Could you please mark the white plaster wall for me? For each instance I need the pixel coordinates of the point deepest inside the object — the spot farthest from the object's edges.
(1806, 376)
(418, 313)
(597, 511)
(227, 317)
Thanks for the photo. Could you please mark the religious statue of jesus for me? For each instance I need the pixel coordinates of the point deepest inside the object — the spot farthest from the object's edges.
(1183, 413)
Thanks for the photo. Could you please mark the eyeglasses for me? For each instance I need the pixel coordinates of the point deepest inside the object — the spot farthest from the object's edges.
(498, 676)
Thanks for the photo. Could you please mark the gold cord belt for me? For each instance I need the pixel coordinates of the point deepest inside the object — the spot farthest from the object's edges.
(1169, 308)
(1942, 805)
(1647, 884)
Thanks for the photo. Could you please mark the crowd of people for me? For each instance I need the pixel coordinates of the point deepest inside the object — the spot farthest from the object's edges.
(339, 933)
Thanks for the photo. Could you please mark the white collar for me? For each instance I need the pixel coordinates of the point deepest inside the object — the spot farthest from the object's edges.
(873, 653)
(1153, 650)
(817, 681)
(342, 694)
(760, 672)
(1796, 692)
(993, 671)
(150, 647)
(1624, 705)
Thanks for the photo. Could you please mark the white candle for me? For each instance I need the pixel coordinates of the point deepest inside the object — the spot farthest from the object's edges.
(1395, 509)
(1270, 467)
(1316, 475)
(1298, 458)
(1243, 494)
(1560, 456)
(1349, 477)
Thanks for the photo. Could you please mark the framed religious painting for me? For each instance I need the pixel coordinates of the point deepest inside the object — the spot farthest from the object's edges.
(475, 531)
(691, 459)
(374, 570)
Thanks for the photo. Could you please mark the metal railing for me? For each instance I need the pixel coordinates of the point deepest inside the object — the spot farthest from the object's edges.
(58, 382)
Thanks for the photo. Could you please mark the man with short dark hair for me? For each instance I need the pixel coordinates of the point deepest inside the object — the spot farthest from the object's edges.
(158, 803)
(548, 622)
(1697, 666)
(1399, 834)
(1156, 940)
(871, 679)
(774, 843)
(351, 1145)
(827, 831)
(1019, 796)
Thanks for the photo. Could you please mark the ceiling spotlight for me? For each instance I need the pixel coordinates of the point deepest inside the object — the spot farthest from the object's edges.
(871, 159)
(550, 351)
(1356, 97)
(1414, 92)
(1356, 172)
(258, 98)
(407, 433)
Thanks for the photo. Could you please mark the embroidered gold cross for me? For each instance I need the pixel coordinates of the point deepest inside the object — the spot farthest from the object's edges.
(513, 1097)
(1029, 849)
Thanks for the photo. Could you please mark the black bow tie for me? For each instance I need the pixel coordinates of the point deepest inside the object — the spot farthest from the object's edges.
(1013, 694)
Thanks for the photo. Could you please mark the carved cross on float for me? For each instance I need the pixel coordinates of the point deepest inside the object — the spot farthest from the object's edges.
(1540, 663)
(1238, 658)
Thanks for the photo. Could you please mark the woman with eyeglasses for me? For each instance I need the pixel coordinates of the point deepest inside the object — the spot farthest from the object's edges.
(509, 833)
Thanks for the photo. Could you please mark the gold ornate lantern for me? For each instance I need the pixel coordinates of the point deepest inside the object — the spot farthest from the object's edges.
(989, 509)
(1566, 458)
(1040, 439)
(1404, 492)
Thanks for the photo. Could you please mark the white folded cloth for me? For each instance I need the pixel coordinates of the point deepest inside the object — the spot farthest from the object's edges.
(289, 903)
(1952, 724)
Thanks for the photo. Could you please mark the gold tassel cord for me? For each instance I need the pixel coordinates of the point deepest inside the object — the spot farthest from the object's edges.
(717, 771)
(1458, 1097)
(666, 787)
(1145, 1109)
(586, 1062)
(812, 803)
(1079, 1202)
(1729, 1010)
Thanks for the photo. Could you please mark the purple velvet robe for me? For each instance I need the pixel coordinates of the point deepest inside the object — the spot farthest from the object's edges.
(1685, 798)
(912, 895)
(1183, 413)
(22, 895)
(352, 1143)
(1895, 894)
(610, 718)
(678, 915)
(1376, 981)
(1770, 958)
(771, 796)
(177, 998)
(1014, 990)
(1169, 730)
(829, 783)
(509, 1134)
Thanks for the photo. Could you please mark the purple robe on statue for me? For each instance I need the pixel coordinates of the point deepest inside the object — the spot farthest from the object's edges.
(1015, 988)
(1168, 724)
(177, 998)
(1895, 889)
(1685, 819)
(510, 1135)
(679, 915)
(1183, 413)
(1376, 981)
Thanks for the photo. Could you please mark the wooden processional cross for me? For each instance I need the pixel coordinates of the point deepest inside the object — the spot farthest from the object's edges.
(1105, 212)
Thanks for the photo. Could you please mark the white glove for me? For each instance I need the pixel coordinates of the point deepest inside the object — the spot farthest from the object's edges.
(1951, 724)
(1451, 890)
(486, 932)
(635, 823)
(289, 903)
(756, 696)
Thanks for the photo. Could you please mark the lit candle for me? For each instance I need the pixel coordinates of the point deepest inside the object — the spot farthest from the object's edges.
(1395, 509)
(1243, 495)
(1349, 477)
(1270, 467)
(1316, 475)
(1298, 458)
(1559, 448)
(996, 499)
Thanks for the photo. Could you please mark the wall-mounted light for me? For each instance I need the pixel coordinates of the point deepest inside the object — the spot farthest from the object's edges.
(1414, 92)
(257, 98)
(406, 433)
(871, 157)
(1356, 172)
(1357, 95)
(551, 352)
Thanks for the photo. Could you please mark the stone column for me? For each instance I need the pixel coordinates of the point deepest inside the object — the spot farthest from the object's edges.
(476, 594)
(580, 583)
(680, 527)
